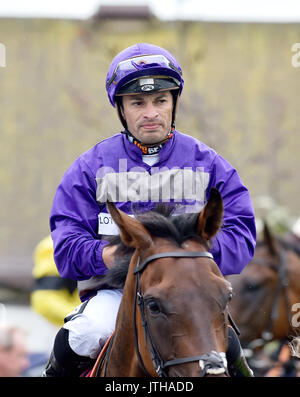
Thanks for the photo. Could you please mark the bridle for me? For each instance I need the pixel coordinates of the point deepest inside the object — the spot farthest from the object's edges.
(213, 363)
(281, 287)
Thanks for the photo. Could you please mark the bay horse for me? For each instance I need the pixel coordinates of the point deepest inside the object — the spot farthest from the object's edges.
(267, 292)
(172, 320)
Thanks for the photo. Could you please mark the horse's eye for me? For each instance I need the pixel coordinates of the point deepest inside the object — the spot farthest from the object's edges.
(251, 286)
(153, 306)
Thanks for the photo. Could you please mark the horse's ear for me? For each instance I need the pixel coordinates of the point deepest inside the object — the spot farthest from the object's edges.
(210, 218)
(132, 232)
(269, 240)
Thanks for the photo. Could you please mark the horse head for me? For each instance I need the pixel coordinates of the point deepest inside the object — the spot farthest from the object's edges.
(264, 292)
(181, 311)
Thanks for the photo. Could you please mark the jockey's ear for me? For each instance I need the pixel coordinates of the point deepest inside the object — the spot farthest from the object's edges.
(132, 232)
(210, 218)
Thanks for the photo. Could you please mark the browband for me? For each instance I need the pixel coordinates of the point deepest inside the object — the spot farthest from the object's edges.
(176, 254)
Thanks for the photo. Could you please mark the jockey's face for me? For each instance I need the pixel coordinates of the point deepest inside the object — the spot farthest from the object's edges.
(148, 116)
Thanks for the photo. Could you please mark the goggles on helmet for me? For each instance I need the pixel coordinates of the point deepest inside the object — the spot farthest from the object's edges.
(141, 64)
(148, 84)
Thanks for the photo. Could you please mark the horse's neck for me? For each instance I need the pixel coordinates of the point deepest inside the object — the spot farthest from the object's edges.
(289, 296)
(122, 358)
(294, 276)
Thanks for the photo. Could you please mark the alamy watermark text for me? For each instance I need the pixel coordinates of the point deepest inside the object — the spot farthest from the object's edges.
(295, 61)
(2, 55)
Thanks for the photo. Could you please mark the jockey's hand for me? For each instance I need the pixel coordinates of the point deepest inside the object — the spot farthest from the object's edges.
(108, 255)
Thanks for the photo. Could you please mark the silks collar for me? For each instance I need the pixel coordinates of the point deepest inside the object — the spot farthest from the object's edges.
(148, 148)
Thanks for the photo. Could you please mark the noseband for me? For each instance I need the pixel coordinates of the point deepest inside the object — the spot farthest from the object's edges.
(212, 363)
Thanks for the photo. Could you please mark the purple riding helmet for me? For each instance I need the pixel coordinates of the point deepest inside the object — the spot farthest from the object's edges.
(143, 68)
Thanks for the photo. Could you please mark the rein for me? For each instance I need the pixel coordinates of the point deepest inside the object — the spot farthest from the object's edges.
(212, 363)
(281, 287)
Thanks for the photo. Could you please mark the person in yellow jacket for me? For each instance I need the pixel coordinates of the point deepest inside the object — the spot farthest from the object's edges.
(53, 297)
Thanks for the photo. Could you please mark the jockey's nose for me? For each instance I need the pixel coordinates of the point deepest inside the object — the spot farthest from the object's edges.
(150, 112)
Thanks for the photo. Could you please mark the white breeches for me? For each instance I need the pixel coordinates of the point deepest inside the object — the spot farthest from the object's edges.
(89, 330)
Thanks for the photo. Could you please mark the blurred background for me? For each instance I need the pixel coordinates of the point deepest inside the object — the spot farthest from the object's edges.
(241, 66)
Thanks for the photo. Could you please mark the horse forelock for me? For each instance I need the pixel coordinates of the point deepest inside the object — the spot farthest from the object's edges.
(161, 222)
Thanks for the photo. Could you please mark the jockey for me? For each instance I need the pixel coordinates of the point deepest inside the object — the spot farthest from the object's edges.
(136, 169)
(52, 296)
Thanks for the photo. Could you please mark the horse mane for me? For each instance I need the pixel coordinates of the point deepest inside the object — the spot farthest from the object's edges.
(160, 223)
(289, 245)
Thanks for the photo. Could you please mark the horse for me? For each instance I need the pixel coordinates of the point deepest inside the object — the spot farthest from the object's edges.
(267, 292)
(173, 316)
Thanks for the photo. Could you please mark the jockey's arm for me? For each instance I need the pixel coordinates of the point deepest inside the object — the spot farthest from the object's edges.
(234, 245)
(73, 223)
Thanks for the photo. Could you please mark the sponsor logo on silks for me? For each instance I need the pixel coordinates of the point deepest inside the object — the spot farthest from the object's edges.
(153, 150)
(106, 225)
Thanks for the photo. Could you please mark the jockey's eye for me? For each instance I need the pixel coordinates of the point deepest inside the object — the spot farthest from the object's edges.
(153, 306)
